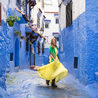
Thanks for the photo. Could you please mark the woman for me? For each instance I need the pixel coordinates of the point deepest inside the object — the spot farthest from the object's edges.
(53, 57)
(54, 71)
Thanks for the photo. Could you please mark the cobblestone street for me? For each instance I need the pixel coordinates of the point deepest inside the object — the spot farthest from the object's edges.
(27, 84)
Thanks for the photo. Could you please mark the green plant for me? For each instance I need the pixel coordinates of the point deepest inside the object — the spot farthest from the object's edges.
(12, 19)
(22, 37)
(17, 32)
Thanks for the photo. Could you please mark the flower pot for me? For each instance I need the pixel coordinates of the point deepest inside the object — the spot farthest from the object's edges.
(11, 23)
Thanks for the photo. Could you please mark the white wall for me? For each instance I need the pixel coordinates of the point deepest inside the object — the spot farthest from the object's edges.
(62, 16)
(52, 27)
(34, 14)
(78, 7)
(5, 5)
(49, 6)
(52, 6)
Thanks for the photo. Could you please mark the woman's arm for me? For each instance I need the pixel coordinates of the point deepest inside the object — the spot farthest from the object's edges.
(52, 57)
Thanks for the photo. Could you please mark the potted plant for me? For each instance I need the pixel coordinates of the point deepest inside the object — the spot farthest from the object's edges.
(19, 33)
(12, 19)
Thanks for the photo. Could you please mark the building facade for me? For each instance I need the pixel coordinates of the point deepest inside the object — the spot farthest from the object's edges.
(52, 20)
(78, 39)
(69, 10)
(45, 16)
(18, 43)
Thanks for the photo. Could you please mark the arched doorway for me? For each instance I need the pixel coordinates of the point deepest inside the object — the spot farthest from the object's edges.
(17, 52)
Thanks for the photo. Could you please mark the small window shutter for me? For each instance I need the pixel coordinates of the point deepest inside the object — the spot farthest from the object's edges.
(11, 56)
(75, 62)
(0, 14)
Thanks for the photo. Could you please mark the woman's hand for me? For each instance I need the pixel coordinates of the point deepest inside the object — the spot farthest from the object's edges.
(52, 57)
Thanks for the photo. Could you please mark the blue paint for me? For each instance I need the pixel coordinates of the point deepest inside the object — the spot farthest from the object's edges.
(8, 40)
(81, 40)
(4, 46)
(17, 52)
(10, 43)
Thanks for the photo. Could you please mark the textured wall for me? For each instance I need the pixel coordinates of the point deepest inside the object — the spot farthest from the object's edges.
(81, 40)
(78, 7)
(4, 41)
(7, 45)
(92, 39)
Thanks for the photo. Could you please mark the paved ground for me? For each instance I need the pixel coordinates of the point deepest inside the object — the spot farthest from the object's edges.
(27, 84)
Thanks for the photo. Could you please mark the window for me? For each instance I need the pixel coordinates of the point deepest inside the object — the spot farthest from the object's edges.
(11, 56)
(75, 62)
(47, 25)
(57, 21)
(69, 14)
(38, 22)
(0, 14)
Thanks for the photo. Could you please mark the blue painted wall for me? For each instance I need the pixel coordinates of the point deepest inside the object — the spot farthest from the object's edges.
(10, 43)
(42, 59)
(4, 41)
(81, 40)
(7, 46)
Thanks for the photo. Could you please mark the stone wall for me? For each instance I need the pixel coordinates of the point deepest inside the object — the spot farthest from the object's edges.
(81, 40)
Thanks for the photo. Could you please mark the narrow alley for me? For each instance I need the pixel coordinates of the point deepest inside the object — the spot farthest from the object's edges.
(48, 41)
(27, 84)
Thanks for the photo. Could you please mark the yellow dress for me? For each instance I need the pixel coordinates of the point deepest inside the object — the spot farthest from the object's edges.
(53, 70)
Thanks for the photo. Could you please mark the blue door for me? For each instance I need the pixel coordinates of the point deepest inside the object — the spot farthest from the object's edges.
(17, 52)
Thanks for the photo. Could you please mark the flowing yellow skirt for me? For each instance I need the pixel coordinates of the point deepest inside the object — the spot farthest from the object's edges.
(54, 70)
